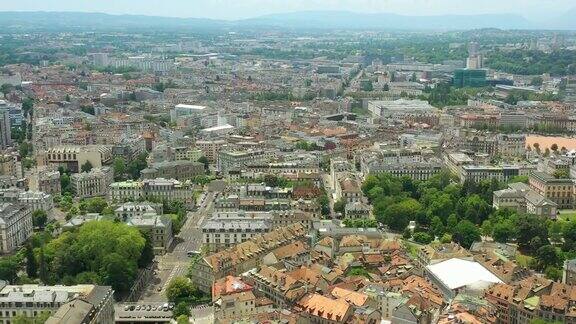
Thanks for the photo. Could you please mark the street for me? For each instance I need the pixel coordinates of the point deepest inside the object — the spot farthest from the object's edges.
(176, 262)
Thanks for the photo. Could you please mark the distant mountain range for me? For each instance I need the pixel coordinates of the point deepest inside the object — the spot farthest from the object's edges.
(297, 20)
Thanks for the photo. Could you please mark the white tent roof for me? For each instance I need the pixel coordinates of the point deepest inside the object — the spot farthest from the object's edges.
(456, 273)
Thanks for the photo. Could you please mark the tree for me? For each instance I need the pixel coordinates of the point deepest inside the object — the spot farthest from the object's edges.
(39, 218)
(204, 160)
(9, 269)
(137, 165)
(503, 232)
(86, 167)
(119, 272)
(181, 309)
(95, 205)
(339, 206)
(147, 255)
(182, 319)
(531, 232)
(119, 166)
(561, 174)
(553, 273)
(569, 235)
(42, 267)
(180, 289)
(31, 268)
(547, 256)
(399, 215)
(437, 227)
(466, 233)
(422, 238)
(554, 147)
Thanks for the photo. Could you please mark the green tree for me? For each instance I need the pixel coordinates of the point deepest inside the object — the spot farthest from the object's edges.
(119, 272)
(182, 319)
(180, 289)
(147, 255)
(204, 160)
(422, 238)
(531, 232)
(339, 206)
(466, 233)
(547, 256)
(181, 309)
(39, 218)
(31, 267)
(119, 166)
(86, 167)
(42, 267)
(399, 215)
(9, 269)
(96, 205)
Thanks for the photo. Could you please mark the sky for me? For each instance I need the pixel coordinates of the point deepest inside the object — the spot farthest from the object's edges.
(240, 9)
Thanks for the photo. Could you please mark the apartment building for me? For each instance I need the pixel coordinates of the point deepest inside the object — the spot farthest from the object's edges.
(93, 304)
(74, 157)
(92, 184)
(15, 226)
(46, 181)
(560, 191)
(533, 298)
(225, 229)
(502, 173)
(179, 170)
(244, 256)
(235, 160)
(210, 149)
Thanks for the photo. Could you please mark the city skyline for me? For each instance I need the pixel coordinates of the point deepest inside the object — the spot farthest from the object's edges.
(233, 10)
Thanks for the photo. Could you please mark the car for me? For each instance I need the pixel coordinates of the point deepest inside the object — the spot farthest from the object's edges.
(127, 307)
(171, 306)
(148, 308)
(192, 253)
(132, 307)
(138, 307)
(153, 308)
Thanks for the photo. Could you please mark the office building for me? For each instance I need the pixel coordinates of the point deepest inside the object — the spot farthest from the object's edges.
(92, 184)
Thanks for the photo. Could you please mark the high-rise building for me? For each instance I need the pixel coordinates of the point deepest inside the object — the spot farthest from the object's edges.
(469, 78)
(5, 137)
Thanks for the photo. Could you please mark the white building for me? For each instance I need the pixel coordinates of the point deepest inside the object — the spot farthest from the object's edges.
(92, 184)
(15, 226)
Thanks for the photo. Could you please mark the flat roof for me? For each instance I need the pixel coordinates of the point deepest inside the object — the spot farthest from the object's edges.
(456, 273)
(194, 107)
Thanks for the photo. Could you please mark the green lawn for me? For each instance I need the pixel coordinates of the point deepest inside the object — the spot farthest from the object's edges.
(567, 215)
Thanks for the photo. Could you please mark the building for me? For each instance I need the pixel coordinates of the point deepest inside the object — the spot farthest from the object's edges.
(92, 184)
(531, 299)
(244, 256)
(47, 181)
(10, 166)
(474, 78)
(316, 308)
(130, 210)
(225, 229)
(503, 173)
(560, 191)
(189, 112)
(233, 299)
(80, 304)
(210, 149)
(15, 226)
(454, 276)
(36, 200)
(5, 130)
(235, 160)
(348, 190)
(179, 170)
(158, 228)
(152, 189)
(74, 157)
(521, 197)
(401, 108)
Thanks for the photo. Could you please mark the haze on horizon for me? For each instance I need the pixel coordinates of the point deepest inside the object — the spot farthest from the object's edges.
(241, 9)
